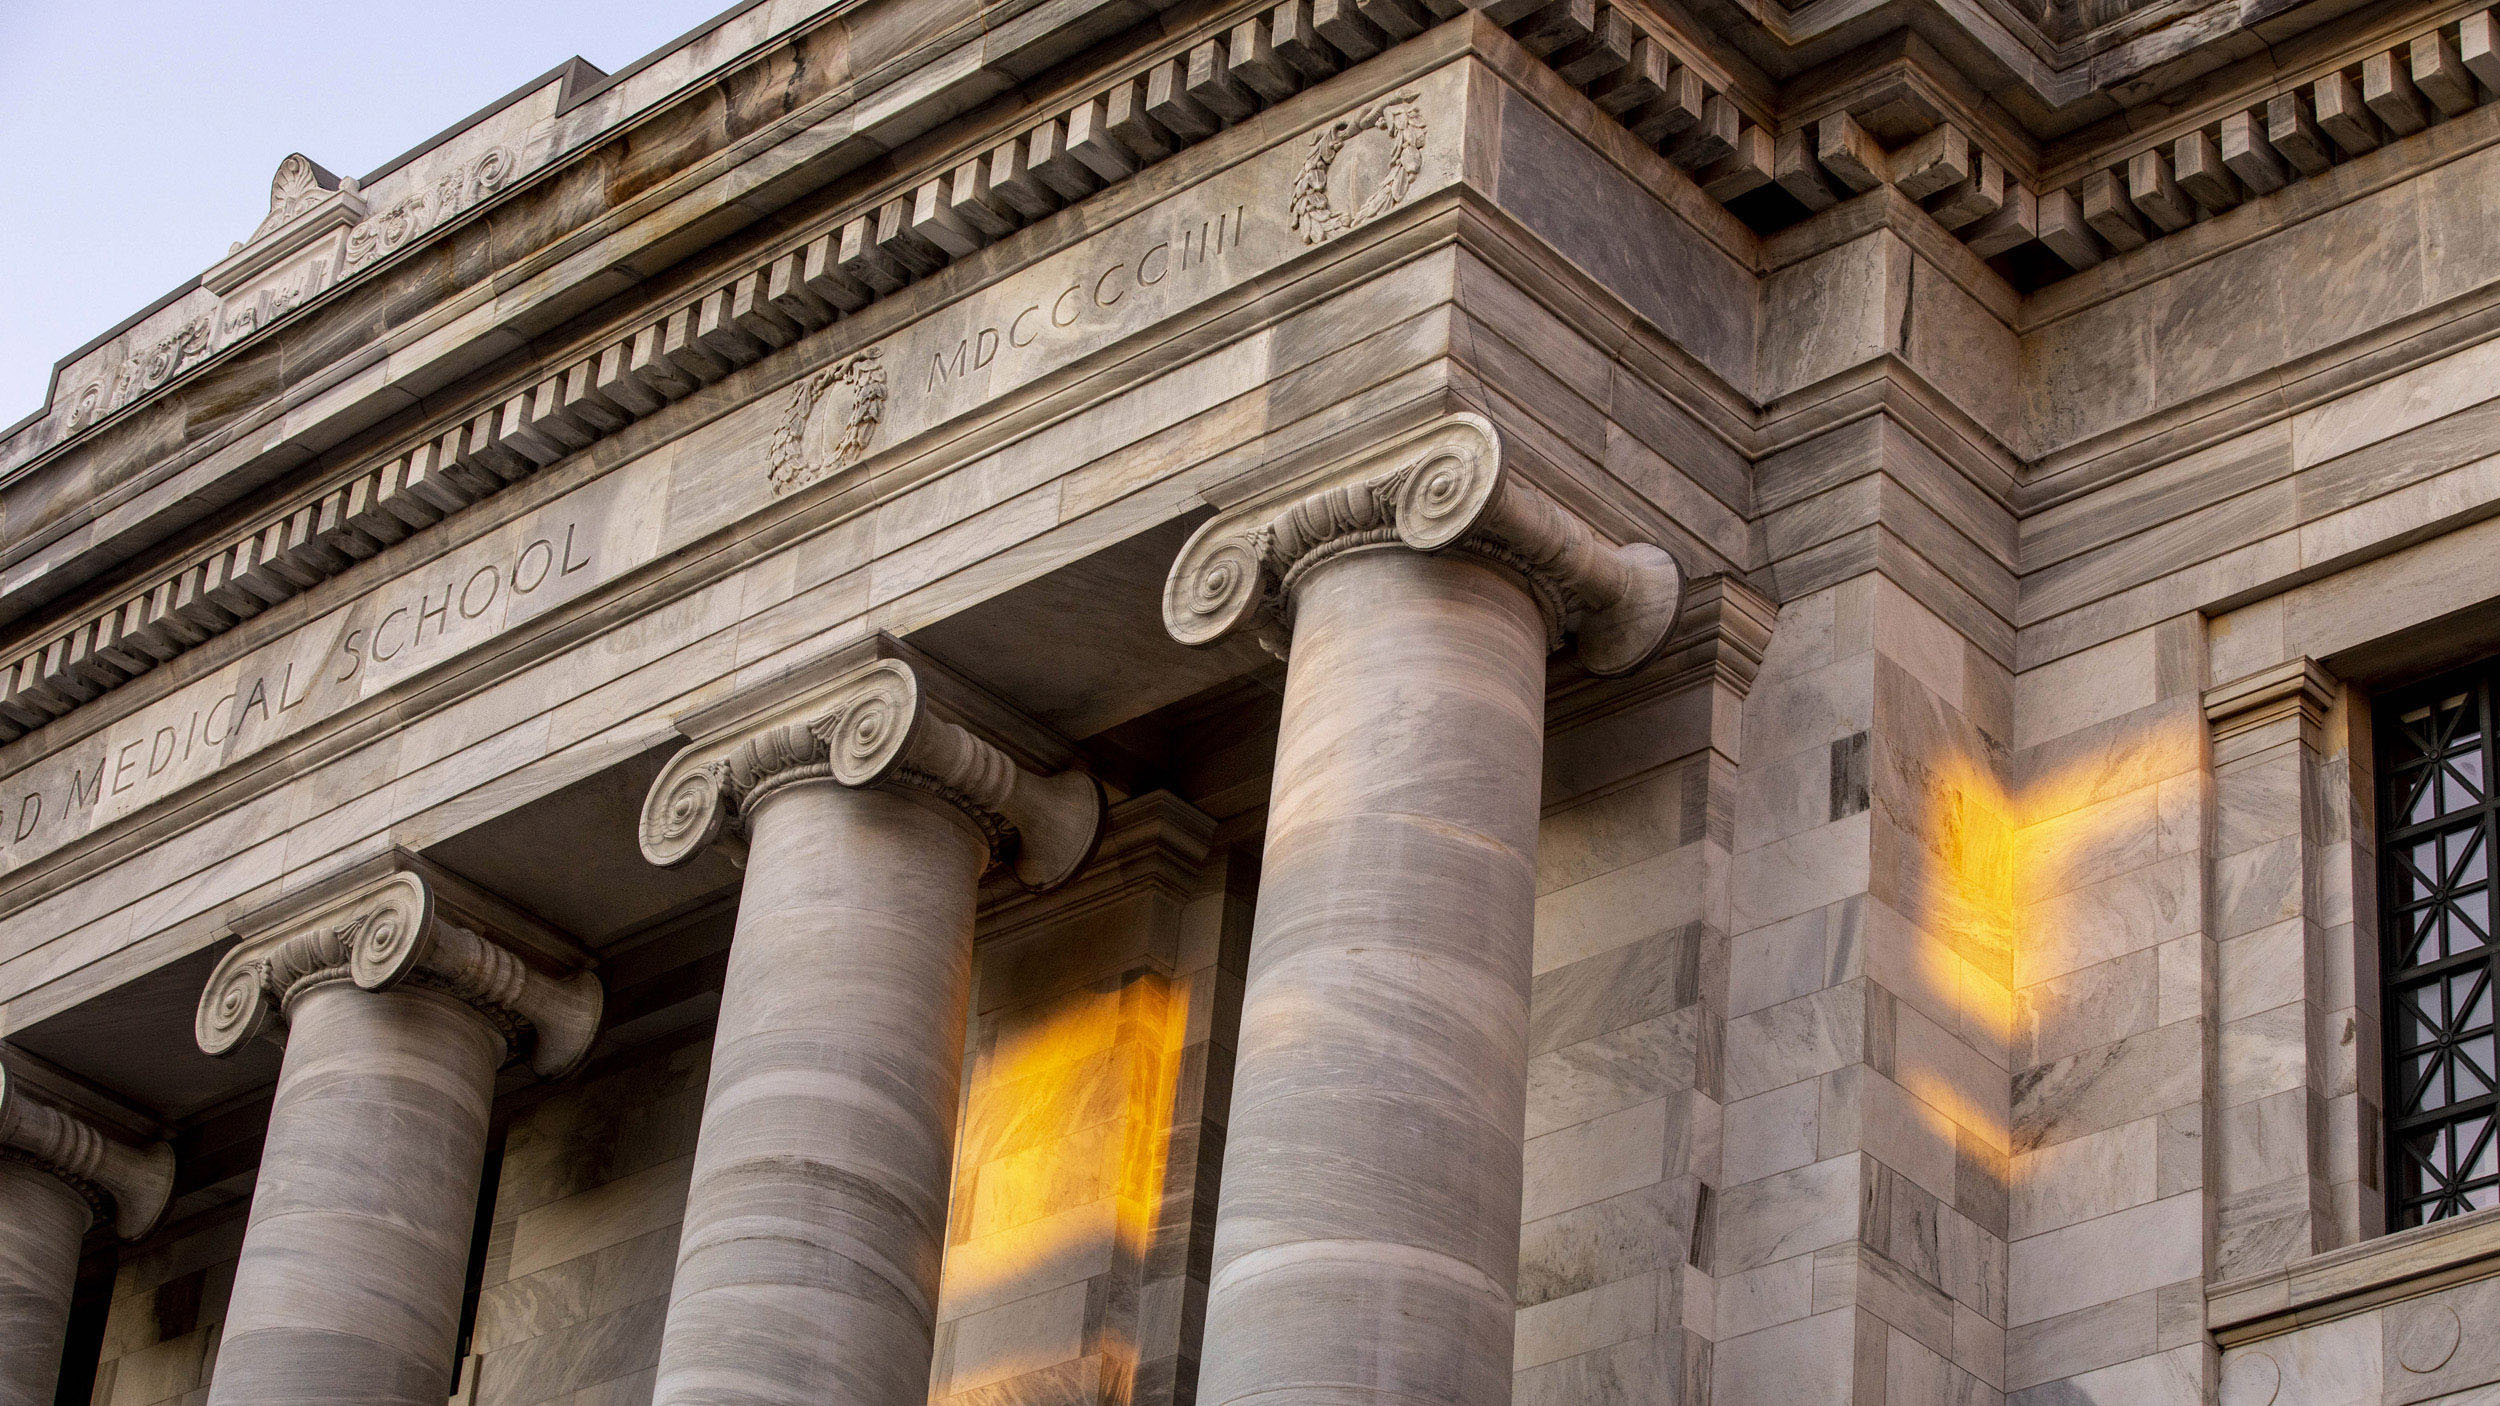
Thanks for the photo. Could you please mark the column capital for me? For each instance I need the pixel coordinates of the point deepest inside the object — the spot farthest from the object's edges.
(1441, 487)
(403, 923)
(879, 715)
(42, 1125)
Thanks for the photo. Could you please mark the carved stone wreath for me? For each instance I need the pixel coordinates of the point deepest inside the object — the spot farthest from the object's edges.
(1398, 118)
(823, 433)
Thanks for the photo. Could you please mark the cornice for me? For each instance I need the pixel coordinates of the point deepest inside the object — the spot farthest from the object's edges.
(1441, 487)
(2294, 689)
(878, 715)
(794, 519)
(890, 240)
(1892, 135)
(403, 925)
(43, 1124)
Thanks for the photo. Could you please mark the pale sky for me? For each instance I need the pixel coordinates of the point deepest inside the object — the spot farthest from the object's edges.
(137, 137)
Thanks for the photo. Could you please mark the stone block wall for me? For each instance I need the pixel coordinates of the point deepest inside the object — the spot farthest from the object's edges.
(1859, 1246)
(1621, 1123)
(2113, 1056)
(584, 1243)
(1090, 1144)
(169, 1300)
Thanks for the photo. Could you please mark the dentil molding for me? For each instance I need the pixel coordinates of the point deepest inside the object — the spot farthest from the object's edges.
(1441, 488)
(405, 928)
(879, 715)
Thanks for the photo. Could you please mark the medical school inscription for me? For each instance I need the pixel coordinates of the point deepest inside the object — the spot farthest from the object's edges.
(392, 632)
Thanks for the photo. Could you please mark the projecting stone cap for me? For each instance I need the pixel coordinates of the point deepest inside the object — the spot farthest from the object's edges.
(881, 714)
(401, 922)
(42, 1124)
(1441, 487)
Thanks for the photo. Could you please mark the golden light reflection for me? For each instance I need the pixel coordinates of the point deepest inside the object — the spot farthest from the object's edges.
(1992, 857)
(1060, 1182)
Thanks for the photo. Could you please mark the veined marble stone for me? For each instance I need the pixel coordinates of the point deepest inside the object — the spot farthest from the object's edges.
(1288, 703)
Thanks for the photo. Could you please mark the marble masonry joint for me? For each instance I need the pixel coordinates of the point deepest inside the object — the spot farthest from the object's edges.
(881, 717)
(403, 929)
(125, 1184)
(1441, 488)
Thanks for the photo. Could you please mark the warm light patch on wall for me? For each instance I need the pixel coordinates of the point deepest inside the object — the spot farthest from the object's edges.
(1059, 1187)
(1958, 892)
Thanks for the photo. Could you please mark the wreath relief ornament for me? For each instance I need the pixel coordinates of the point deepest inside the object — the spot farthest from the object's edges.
(812, 441)
(1401, 120)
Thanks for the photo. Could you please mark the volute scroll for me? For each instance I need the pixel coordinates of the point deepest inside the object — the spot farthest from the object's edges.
(875, 726)
(1440, 488)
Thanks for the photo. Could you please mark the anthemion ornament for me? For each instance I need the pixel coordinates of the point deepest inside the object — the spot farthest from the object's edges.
(1399, 121)
(831, 422)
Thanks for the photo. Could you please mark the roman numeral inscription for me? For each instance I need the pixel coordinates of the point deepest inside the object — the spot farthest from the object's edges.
(847, 403)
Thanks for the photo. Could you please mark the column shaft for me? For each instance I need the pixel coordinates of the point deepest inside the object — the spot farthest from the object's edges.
(1367, 1243)
(807, 1271)
(350, 1282)
(42, 1223)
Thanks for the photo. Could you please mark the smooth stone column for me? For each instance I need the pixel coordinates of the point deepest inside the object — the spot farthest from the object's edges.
(397, 1019)
(59, 1174)
(42, 1224)
(807, 1270)
(1367, 1230)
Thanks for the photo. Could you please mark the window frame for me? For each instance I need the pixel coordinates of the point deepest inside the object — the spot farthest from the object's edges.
(2395, 763)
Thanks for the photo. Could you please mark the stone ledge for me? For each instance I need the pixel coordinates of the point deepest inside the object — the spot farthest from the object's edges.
(2355, 1279)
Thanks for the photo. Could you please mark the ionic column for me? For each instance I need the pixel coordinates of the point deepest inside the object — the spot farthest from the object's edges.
(1367, 1229)
(807, 1271)
(398, 998)
(60, 1173)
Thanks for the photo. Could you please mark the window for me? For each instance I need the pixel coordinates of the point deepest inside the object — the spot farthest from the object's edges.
(2436, 829)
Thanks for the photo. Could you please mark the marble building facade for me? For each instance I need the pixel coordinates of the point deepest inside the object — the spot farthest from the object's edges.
(1458, 701)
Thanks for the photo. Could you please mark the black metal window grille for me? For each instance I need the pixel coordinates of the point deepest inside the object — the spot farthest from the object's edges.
(2437, 819)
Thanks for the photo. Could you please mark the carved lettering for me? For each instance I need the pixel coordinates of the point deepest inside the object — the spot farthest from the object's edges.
(1095, 293)
(169, 749)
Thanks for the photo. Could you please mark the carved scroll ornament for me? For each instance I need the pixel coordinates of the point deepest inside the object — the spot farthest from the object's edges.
(384, 935)
(126, 1186)
(1440, 489)
(875, 728)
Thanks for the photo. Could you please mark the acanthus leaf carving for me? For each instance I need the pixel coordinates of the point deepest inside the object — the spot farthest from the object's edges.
(421, 209)
(298, 186)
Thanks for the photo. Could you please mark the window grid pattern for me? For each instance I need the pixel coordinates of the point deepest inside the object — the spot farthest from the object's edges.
(2437, 827)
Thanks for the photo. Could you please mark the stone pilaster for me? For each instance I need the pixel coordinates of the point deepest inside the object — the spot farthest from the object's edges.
(60, 1173)
(2296, 1083)
(400, 995)
(815, 1219)
(1367, 1229)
